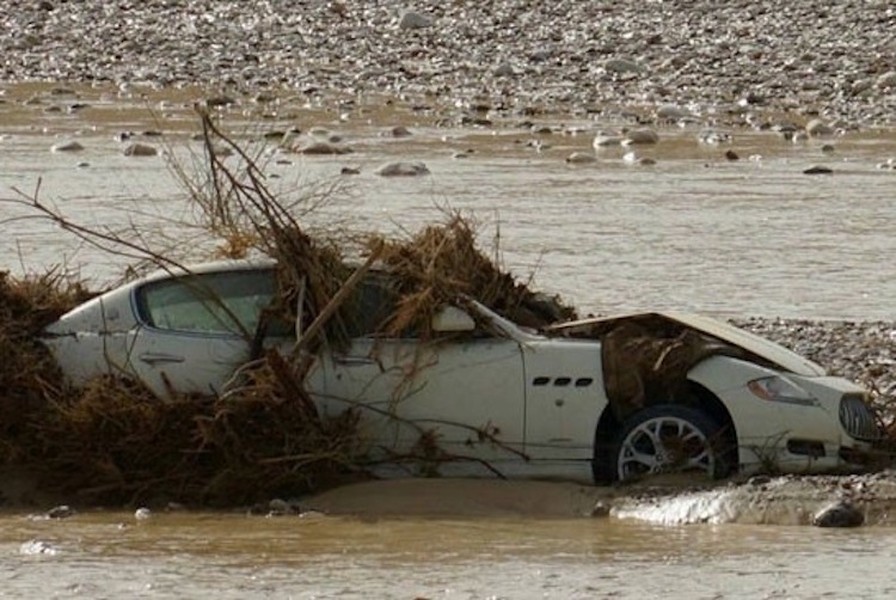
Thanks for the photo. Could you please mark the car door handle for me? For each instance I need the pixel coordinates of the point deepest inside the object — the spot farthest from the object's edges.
(152, 358)
(353, 361)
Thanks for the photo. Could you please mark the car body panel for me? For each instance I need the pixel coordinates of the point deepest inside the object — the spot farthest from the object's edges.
(765, 427)
(92, 339)
(564, 399)
(455, 389)
(198, 363)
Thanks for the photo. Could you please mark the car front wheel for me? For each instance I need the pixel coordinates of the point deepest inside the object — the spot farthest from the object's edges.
(668, 439)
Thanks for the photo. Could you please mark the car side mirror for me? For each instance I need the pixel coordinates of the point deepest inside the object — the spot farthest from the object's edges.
(451, 319)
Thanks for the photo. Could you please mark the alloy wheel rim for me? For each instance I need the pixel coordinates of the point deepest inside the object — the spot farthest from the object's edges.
(665, 445)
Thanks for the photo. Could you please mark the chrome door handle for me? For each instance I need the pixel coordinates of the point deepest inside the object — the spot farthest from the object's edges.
(353, 361)
(152, 358)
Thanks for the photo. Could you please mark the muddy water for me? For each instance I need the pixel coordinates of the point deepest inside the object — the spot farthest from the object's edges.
(106, 555)
(747, 237)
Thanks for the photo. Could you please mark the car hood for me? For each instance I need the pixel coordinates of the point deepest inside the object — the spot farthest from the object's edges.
(767, 350)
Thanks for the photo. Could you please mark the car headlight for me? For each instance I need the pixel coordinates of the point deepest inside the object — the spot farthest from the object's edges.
(781, 389)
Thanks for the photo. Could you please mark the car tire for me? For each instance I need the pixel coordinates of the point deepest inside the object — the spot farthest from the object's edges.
(664, 439)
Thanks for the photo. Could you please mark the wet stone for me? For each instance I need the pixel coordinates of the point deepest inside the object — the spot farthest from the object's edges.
(400, 131)
(841, 513)
(403, 169)
(321, 148)
(140, 150)
(601, 509)
(816, 128)
(71, 146)
(62, 511)
(219, 101)
(640, 136)
(580, 158)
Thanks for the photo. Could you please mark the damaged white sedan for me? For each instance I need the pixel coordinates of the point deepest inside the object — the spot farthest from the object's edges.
(602, 399)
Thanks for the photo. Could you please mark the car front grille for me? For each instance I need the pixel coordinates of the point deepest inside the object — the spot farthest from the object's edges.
(857, 418)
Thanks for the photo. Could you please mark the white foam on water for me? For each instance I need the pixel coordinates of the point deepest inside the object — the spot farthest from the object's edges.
(35, 547)
(716, 506)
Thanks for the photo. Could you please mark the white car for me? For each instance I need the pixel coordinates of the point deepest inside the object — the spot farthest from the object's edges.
(494, 395)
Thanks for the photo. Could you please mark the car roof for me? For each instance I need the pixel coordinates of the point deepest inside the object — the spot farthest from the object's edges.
(217, 266)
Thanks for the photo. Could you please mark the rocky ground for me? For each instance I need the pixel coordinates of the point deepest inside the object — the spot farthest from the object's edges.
(733, 61)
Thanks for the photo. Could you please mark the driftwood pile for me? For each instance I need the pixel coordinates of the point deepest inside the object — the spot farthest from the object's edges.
(112, 442)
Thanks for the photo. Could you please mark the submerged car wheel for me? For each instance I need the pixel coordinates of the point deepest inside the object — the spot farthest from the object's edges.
(668, 439)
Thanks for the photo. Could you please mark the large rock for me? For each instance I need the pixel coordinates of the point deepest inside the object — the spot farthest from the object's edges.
(140, 150)
(841, 513)
(70, 146)
(403, 169)
(320, 147)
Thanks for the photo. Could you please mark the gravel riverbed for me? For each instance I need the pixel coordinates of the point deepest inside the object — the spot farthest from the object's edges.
(735, 63)
(733, 60)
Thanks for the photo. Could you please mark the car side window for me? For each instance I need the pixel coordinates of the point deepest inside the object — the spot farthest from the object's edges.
(227, 302)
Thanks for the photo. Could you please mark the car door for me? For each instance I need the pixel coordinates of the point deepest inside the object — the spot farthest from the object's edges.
(565, 397)
(463, 390)
(196, 330)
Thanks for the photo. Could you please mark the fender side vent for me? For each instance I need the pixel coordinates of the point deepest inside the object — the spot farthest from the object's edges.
(811, 448)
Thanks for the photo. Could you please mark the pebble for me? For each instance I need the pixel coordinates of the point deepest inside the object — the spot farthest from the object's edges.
(632, 158)
(733, 59)
(604, 139)
(400, 131)
(67, 147)
(414, 20)
(713, 136)
(818, 170)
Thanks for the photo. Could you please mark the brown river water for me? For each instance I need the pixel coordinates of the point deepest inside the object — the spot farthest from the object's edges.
(694, 232)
